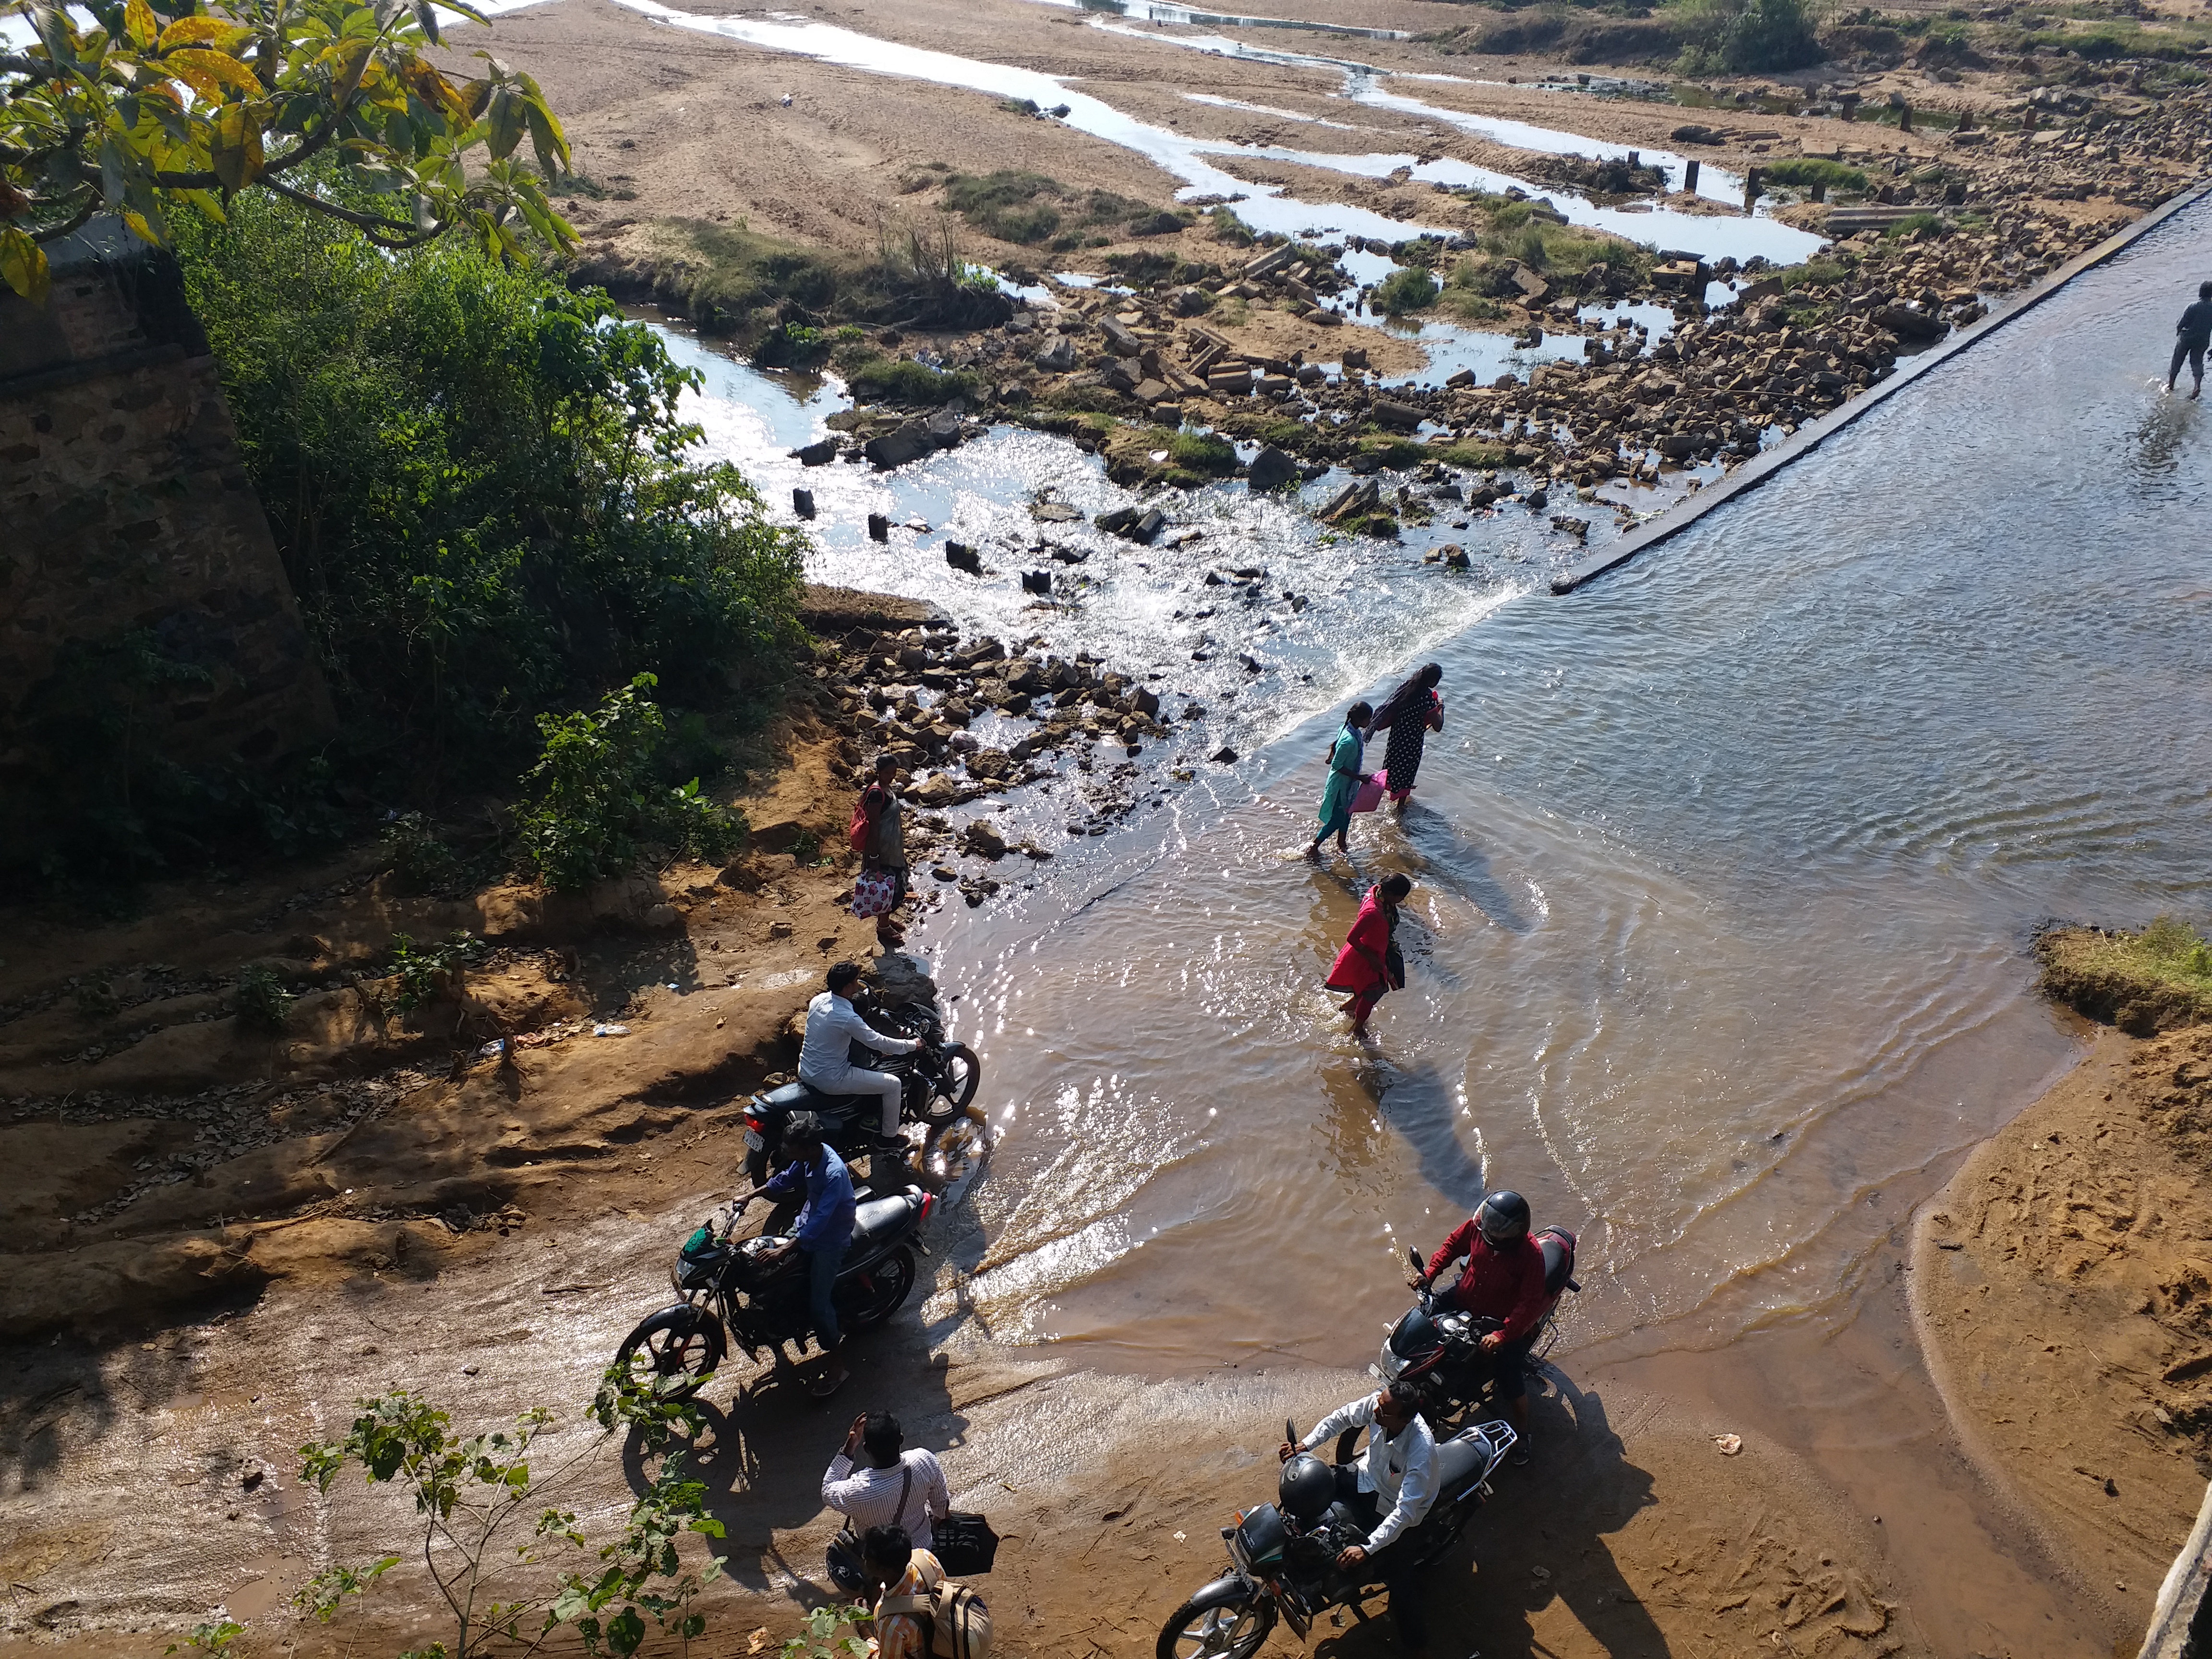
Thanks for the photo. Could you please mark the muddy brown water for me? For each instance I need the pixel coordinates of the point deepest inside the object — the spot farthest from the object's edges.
(1725, 873)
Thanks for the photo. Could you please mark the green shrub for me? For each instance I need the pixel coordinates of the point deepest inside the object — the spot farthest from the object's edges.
(1916, 228)
(1409, 288)
(481, 486)
(1477, 458)
(1747, 37)
(902, 380)
(426, 972)
(1815, 273)
(595, 795)
(1228, 228)
(1803, 172)
(259, 998)
(1006, 204)
(414, 854)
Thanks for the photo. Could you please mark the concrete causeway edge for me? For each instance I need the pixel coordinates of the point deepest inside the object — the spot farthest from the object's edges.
(1810, 436)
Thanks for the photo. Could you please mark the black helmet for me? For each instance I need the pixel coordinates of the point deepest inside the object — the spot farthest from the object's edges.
(1307, 1487)
(1503, 1217)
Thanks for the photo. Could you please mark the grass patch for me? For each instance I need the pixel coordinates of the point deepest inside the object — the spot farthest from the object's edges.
(2154, 981)
(1228, 228)
(1803, 172)
(1202, 452)
(1476, 458)
(1395, 451)
(1916, 226)
(1467, 302)
(902, 380)
(1409, 288)
(1815, 273)
(1029, 208)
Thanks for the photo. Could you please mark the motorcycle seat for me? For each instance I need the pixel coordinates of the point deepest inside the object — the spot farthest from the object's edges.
(879, 1218)
(1464, 1456)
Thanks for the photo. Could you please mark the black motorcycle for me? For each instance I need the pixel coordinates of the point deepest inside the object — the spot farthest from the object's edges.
(939, 1081)
(1285, 1553)
(1439, 1347)
(742, 1289)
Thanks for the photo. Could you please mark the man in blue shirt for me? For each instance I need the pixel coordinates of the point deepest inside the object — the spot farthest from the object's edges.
(824, 1229)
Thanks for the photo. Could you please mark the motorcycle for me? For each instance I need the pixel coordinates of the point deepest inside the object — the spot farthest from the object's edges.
(1440, 1347)
(1284, 1554)
(739, 1288)
(939, 1083)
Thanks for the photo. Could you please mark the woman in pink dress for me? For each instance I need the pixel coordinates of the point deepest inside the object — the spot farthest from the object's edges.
(1369, 964)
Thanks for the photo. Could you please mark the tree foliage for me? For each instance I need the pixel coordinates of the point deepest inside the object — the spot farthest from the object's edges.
(482, 488)
(144, 109)
(595, 795)
(490, 1526)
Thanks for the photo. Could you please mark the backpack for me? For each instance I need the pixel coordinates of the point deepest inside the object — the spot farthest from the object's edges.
(856, 835)
(959, 1621)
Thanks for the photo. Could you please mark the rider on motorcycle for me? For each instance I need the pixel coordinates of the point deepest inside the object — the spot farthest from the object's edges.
(825, 1060)
(1399, 1470)
(1503, 1280)
(822, 1233)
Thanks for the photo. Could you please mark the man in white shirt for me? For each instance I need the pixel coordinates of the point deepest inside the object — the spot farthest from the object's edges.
(904, 1489)
(833, 1026)
(1390, 1491)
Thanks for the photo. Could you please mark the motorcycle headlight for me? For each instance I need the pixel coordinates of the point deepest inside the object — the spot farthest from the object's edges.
(1391, 1364)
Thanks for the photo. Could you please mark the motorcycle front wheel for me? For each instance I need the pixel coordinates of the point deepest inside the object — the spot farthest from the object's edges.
(674, 1351)
(1235, 1632)
(954, 1086)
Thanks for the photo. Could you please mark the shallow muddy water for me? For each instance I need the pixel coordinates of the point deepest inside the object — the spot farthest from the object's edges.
(1726, 870)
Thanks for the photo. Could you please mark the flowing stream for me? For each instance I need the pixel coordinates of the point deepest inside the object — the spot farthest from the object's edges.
(1725, 869)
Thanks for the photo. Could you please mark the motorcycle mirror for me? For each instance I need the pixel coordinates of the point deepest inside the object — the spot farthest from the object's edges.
(1289, 1431)
(1414, 1256)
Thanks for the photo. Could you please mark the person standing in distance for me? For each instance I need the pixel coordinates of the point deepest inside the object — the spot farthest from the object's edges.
(1409, 715)
(2192, 336)
(1370, 962)
(1348, 758)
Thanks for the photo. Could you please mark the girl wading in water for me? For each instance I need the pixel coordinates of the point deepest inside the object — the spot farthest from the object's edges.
(1348, 758)
(1369, 964)
(1409, 714)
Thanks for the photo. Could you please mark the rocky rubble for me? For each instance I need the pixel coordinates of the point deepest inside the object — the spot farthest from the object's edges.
(914, 693)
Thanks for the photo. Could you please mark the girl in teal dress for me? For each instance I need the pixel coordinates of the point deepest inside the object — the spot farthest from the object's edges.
(1348, 758)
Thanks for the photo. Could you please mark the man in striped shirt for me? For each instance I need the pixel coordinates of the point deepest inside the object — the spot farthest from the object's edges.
(894, 1488)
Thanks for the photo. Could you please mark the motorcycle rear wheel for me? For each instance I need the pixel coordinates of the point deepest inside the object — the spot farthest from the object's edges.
(675, 1351)
(881, 1292)
(1237, 1630)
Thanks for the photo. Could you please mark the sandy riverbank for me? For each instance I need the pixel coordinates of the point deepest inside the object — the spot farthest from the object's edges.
(2061, 1288)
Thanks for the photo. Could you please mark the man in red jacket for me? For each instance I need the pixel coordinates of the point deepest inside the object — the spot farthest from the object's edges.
(1503, 1280)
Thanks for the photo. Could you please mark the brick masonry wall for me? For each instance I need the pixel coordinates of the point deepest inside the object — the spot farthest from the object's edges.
(125, 508)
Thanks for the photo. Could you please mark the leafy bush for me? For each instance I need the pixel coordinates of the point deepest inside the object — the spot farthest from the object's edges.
(1803, 172)
(595, 797)
(1004, 205)
(1409, 288)
(1815, 273)
(1228, 228)
(259, 997)
(479, 484)
(1747, 37)
(493, 1535)
(414, 854)
(882, 380)
(427, 972)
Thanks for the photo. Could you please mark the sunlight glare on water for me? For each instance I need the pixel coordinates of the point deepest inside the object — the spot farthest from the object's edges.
(1726, 870)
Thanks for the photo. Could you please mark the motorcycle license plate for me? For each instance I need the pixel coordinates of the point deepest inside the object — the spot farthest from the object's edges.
(753, 1140)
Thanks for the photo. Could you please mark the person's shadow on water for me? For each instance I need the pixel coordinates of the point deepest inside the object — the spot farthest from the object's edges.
(1555, 1515)
(1439, 855)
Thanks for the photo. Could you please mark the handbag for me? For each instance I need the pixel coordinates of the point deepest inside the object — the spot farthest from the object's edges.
(874, 892)
(1370, 795)
(964, 1545)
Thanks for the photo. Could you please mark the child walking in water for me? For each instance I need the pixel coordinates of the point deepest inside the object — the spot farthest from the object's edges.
(1346, 762)
(1369, 964)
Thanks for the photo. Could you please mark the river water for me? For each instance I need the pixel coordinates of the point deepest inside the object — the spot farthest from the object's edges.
(1725, 868)
(1725, 873)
